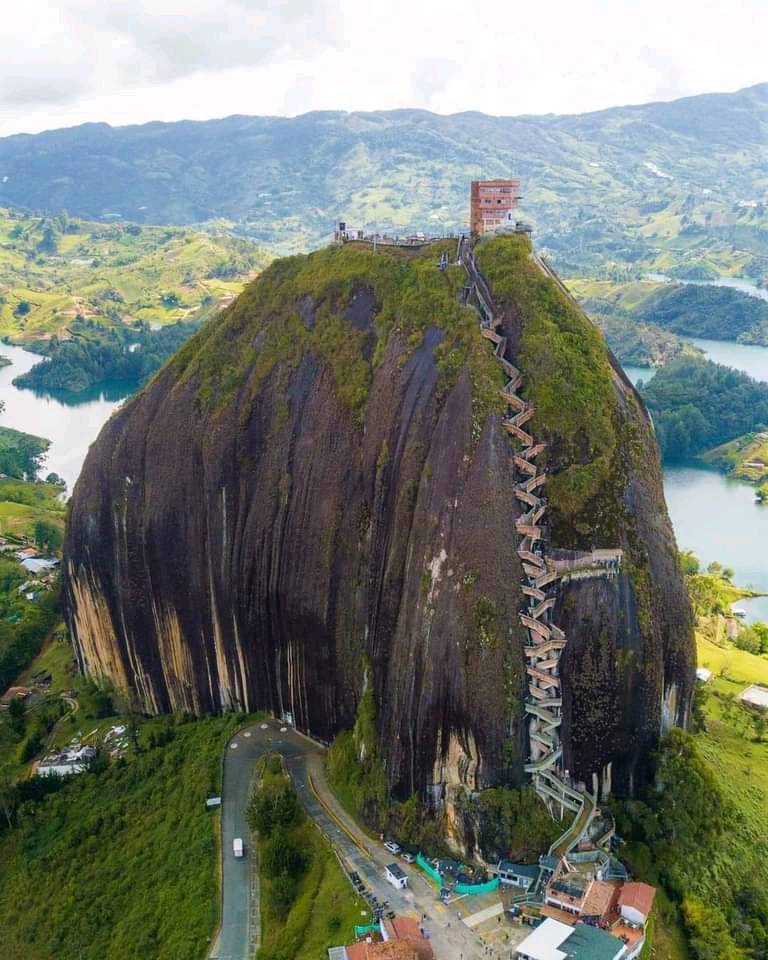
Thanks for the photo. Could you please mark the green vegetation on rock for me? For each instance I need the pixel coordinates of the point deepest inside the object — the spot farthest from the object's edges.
(330, 303)
(512, 823)
(567, 371)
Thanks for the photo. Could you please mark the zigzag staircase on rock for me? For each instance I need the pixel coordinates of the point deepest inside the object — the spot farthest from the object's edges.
(545, 640)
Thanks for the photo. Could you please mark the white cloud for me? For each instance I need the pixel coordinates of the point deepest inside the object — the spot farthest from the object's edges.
(129, 61)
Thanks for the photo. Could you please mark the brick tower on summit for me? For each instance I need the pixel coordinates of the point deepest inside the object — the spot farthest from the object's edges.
(489, 203)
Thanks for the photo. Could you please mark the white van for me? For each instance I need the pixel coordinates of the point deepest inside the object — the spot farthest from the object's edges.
(237, 847)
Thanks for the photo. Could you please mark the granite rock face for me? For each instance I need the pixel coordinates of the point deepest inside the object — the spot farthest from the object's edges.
(316, 493)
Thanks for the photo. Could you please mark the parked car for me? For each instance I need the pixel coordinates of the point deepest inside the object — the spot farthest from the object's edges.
(408, 857)
(237, 847)
(392, 846)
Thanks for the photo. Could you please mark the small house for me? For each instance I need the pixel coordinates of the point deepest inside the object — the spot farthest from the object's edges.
(39, 564)
(517, 874)
(703, 675)
(636, 902)
(27, 553)
(395, 876)
(755, 696)
(15, 693)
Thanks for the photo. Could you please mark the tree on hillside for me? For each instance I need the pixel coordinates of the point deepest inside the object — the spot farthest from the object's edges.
(689, 563)
(708, 932)
(47, 536)
(48, 243)
(17, 715)
(8, 798)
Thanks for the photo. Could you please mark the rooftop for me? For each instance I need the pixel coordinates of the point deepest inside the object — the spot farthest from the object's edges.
(756, 695)
(522, 869)
(395, 871)
(545, 941)
(639, 896)
(553, 940)
(12, 692)
(391, 950)
(591, 943)
(407, 930)
(600, 898)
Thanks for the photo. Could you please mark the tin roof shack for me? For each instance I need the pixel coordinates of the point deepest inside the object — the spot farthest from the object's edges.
(26, 553)
(401, 939)
(72, 760)
(521, 875)
(15, 693)
(394, 950)
(39, 564)
(395, 876)
(406, 930)
(756, 697)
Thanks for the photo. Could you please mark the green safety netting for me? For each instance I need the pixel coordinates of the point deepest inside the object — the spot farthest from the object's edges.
(429, 870)
(472, 888)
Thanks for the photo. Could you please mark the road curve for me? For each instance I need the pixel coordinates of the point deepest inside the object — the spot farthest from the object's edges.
(242, 752)
(304, 762)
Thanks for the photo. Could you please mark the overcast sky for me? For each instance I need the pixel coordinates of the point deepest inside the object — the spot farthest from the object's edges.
(130, 61)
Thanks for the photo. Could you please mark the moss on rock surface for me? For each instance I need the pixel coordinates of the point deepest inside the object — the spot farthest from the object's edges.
(628, 666)
(318, 489)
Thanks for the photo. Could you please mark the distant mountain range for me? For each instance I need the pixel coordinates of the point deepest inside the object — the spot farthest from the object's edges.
(677, 187)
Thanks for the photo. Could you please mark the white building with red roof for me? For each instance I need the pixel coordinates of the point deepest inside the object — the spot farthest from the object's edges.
(636, 902)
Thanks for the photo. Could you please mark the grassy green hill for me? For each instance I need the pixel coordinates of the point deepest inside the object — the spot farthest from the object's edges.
(120, 864)
(674, 187)
(745, 458)
(641, 344)
(56, 269)
(702, 837)
(717, 313)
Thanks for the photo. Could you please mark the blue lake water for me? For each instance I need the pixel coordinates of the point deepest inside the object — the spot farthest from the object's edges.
(741, 356)
(712, 515)
(718, 519)
(70, 422)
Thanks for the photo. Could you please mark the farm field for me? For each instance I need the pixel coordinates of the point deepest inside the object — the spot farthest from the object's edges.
(54, 270)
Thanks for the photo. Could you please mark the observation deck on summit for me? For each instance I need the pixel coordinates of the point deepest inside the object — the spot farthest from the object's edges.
(490, 203)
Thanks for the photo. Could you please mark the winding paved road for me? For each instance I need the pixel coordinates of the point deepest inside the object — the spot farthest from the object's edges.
(242, 752)
(304, 762)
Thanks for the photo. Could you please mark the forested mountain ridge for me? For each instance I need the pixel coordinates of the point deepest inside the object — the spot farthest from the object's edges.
(676, 186)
